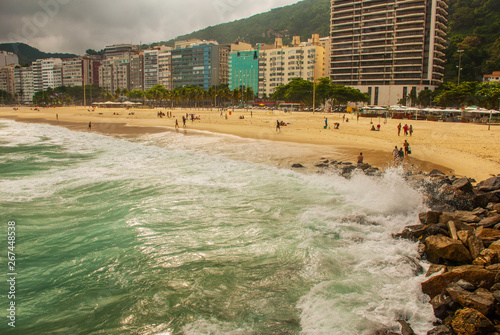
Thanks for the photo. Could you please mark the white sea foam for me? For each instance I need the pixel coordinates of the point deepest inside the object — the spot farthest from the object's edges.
(308, 253)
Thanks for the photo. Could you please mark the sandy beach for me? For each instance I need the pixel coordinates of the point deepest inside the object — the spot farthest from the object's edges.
(455, 148)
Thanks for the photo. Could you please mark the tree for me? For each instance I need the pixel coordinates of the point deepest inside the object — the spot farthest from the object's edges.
(156, 93)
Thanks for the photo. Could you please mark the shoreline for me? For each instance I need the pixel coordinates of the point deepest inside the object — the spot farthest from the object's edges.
(305, 132)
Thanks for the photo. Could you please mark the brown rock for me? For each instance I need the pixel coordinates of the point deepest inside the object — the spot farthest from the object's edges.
(476, 245)
(466, 216)
(468, 321)
(474, 274)
(446, 216)
(489, 185)
(430, 217)
(463, 184)
(495, 246)
(464, 235)
(463, 226)
(488, 235)
(496, 207)
(486, 257)
(435, 268)
(481, 300)
(440, 305)
(489, 221)
(440, 330)
(440, 246)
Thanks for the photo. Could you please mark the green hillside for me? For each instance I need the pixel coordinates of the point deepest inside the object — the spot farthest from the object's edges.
(301, 19)
(27, 54)
(474, 27)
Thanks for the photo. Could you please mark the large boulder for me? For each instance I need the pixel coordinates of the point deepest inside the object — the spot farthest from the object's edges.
(481, 300)
(468, 321)
(442, 247)
(474, 274)
(489, 185)
(463, 184)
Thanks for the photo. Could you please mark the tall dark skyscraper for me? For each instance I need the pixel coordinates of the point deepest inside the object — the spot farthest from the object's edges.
(388, 48)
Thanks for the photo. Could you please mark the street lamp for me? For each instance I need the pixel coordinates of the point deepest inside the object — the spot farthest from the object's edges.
(459, 64)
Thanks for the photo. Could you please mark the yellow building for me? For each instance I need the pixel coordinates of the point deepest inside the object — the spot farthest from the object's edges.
(279, 65)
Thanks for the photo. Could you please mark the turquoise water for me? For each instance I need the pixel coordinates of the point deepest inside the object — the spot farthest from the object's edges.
(170, 234)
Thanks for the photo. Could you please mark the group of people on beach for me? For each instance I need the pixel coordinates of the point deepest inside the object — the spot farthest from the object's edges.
(407, 130)
(401, 153)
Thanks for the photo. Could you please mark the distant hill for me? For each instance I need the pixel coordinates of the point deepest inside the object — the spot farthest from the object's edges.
(27, 54)
(301, 19)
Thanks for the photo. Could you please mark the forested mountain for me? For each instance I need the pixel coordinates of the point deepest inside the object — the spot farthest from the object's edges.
(301, 19)
(474, 27)
(27, 54)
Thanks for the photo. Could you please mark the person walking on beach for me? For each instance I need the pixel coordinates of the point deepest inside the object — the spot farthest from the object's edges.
(405, 129)
(411, 130)
(406, 145)
(184, 121)
(399, 129)
(278, 128)
(176, 124)
(90, 125)
(326, 123)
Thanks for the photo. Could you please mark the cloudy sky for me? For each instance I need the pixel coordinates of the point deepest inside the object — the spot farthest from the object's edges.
(77, 25)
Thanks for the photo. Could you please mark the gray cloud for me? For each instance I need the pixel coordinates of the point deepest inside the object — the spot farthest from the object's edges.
(74, 26)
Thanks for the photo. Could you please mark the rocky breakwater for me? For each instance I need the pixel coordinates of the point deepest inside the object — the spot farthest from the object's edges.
(460, 237)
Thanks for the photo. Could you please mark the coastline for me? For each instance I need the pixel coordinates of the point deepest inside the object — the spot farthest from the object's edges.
(460, 149)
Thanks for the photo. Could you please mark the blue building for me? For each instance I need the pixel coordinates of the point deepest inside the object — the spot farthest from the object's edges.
(197, 65)
(244, 70)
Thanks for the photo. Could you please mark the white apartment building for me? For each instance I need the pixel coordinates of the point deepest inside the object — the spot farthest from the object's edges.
(8, 58)
(278, 66)
(23, 82)
(72, 72)
(7, 79)
(165, 69)
(388, 48)
(150, 68)
(47, 73)
(114, 73)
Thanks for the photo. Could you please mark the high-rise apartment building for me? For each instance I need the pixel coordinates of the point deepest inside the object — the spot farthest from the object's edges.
(47, 73)
(7, 79)
(165, 69)
(388, 48)
(8, 58)
(23, 82)
(278, 66)
(244, 70)
(150, 68)
(72, 70)
(197, 64)
(137, 72)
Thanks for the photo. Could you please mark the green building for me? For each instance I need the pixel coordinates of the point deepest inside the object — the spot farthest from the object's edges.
(244, 70)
